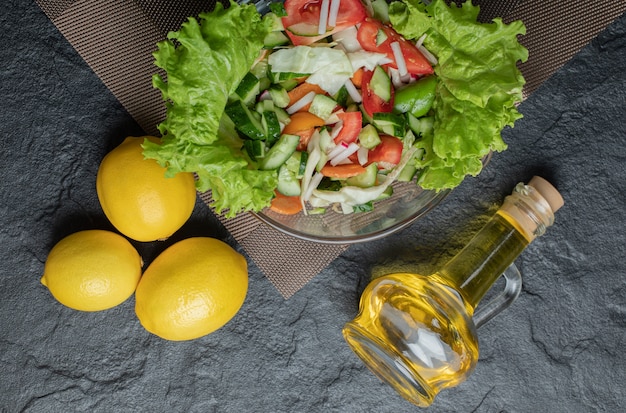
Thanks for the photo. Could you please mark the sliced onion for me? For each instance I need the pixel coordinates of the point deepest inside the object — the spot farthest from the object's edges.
(344, 154)
(323, 17)
(300, 103)
(336, 129)
(420, 41)
(265, 95)
(332, 14)
(334, 118)
(347, 39)
(346, 209)
(428, 55)
(337, 150)
(315, 181)
(400, 62)
(344, 162)
(363, 155)
(353, 92)
(395, 77)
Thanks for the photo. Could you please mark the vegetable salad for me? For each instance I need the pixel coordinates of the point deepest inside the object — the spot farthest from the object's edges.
(324, 103)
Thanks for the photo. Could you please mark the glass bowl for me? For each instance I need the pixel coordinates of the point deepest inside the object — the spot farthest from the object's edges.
(408, 203)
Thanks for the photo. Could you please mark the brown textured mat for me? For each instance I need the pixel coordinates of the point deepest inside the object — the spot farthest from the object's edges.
(117, 37)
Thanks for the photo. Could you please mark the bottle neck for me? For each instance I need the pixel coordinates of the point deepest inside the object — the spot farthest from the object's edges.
(524, 215)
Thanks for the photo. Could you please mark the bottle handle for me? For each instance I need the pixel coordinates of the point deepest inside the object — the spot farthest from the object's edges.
(511, 291)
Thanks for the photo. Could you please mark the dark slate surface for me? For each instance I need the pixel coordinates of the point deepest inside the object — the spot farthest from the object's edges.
(559, 348)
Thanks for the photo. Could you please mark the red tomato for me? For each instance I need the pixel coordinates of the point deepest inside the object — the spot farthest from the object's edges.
(303, 16)
(367, 35)
(352, 124)
(372, 103)
(387, 153)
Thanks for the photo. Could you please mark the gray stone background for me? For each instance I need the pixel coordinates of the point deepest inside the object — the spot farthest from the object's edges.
(559, 348)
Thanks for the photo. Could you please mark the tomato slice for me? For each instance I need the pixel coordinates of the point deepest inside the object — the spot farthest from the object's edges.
(372, 103)
(302, 20)
(387, 153)
(368, 37)
(352, 124)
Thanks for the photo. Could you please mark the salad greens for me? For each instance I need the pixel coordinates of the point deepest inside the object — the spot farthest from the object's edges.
(204, 62)
(478, 87)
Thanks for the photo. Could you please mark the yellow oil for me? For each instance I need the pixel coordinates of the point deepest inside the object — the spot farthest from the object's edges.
(415, 332)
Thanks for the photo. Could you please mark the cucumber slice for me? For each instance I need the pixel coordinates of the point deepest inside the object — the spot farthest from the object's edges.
(366, 117)
(279, 77)
(279, 96)
(381, 36)
(322, 106)
(303, 159)
(269, 106)
(254, 148)
(269, 120)
(422, 126)
(288, 184)
(389, 123)
(246, 121)
(264, 106)
(297, 163)
(381, 84)
(408, 173)
(289, 84)
(280, 152)
(304, 29)
(248, 88)
(365, 179)
(274, 39)
(326, 141)
(368, 137)
(283, 116)
(342, 97)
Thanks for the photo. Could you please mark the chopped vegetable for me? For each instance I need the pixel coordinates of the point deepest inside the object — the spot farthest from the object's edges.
(287, 205)
(413, 59)
(205, 61)
(303, 18)
(471, 106)
(342, 171)
(354, 103)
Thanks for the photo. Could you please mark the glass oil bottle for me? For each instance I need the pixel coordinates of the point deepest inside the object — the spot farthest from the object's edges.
(418, 333)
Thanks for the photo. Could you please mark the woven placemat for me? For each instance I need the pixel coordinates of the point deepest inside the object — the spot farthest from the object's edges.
(117, 37)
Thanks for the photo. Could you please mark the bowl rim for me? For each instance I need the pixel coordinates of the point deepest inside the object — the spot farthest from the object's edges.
(434, 202)
(356, 239)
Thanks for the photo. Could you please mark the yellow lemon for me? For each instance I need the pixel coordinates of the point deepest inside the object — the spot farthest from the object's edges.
(191, 289)
(92, 270)
(137, 197)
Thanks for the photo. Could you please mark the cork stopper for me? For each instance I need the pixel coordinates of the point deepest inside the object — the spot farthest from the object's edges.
(532, 210)
(548, 192)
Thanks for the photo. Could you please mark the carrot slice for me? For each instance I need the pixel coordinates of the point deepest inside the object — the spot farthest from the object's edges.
(357, 77)
(342, 171)
(301, 121)
(286, 205)
(302, 90)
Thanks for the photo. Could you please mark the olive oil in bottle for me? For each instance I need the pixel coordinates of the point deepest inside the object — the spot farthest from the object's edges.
(416, 332)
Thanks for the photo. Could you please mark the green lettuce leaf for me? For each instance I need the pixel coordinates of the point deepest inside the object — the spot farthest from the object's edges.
(478, 90)
(205, 61)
